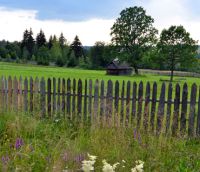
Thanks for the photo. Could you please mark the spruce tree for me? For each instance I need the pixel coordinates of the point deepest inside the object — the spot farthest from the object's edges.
(40, 39)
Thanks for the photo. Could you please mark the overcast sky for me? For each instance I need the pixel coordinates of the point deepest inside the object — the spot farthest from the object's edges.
(91, 20)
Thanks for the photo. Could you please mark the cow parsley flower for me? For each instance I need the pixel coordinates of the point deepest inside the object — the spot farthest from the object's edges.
(109, 168)
(88, 166)
(139, 166)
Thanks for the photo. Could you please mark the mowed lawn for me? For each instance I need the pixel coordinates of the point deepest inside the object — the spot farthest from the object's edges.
(26, 70)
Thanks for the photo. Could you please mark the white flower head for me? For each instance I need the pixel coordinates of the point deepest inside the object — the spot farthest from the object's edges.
(139, 166)
(87, 166)
(109, 168)
(92, 157)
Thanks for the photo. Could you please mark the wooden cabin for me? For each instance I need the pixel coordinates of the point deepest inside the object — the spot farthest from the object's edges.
(115, 68)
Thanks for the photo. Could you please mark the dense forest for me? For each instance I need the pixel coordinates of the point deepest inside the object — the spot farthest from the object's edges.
(173, 49)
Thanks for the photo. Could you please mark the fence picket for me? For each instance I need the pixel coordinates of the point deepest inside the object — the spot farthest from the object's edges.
(10, 92)
(15, 93)
(161, 108)
(153, 106)
(2, 93)
(176, 110)
(116, 103)
(31, 94)
(6, 94)
(49, 97)
(146, 107)
(26, 95)
(79, 98)
(169, 103)
(42, 98)
(96, 101)
(85, 101)
(122, 104)
(63, 97)
(36, 95)
(20, 92)
(128, 92)
(74, 98)
(192, 110)
(102, 100)
(184, 109)
(90, 99)
(140, 100)
(54, 95)
(69, 97)
(58, 98)
(134, 94)
(109, 101)
(198, 116)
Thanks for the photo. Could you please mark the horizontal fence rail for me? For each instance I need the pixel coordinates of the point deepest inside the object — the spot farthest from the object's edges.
(165, 110)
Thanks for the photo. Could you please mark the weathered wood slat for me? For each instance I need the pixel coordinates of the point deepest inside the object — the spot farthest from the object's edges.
(36, 95)
(134, 96)
(176, 110)
(128, 97)
(6, 93)
(54, 96)
(42, 98)
(184, 109)
(116, 103)
(169, 103)
(192, 110)
(2, 93)
(10, 92)
(122, 104)
(161, 108)
(85, 101)
(26, 95)
(79, 98)
(69, 97)
(74, 99)
(15, 93)
(140, 98)
(96, 101)
(153, 106)
(31, 95)
(109, 101)
(90, 99)
(63, 96)
(198, 116)
(20, 102)
(102, 100)
(146, 107)
(58, 97)
(49, 97)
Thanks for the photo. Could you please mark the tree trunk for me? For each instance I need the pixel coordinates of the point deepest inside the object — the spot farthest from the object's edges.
(172, 74)
(136, 70)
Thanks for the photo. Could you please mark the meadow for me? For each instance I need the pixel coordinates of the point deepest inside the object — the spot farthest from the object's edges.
(28, 143)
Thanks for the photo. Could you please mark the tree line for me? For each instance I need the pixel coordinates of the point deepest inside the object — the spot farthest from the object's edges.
(134, 40)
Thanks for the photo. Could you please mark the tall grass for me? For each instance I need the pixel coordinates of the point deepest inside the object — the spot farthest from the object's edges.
(31, 144)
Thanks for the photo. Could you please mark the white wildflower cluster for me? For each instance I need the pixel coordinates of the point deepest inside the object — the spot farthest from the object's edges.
(88, 165)
(139, 166)
(109, 168)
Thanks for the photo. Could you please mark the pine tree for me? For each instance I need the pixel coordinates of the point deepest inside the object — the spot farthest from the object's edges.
(40, 39)
(62, 40)
(77, 47)
(50, 43)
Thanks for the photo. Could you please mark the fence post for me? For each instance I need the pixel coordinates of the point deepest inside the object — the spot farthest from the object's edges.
(161, 108)
(184, 109)
(192, 110)
(153, 106)
(146, 107)
(176, 110)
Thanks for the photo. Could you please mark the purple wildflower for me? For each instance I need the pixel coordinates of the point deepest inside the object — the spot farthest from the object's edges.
(5, 159)
(19, 143)
(79, 158)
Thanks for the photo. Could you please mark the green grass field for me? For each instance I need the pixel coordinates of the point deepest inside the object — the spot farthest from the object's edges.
(26, 70)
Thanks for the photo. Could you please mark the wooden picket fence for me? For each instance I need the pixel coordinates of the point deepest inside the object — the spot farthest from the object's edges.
(126, 104)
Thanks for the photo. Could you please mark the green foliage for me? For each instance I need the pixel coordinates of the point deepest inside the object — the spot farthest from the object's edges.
(133, 33)
(77, 48)
(43, 56)
(40, 39)
(177, 48)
